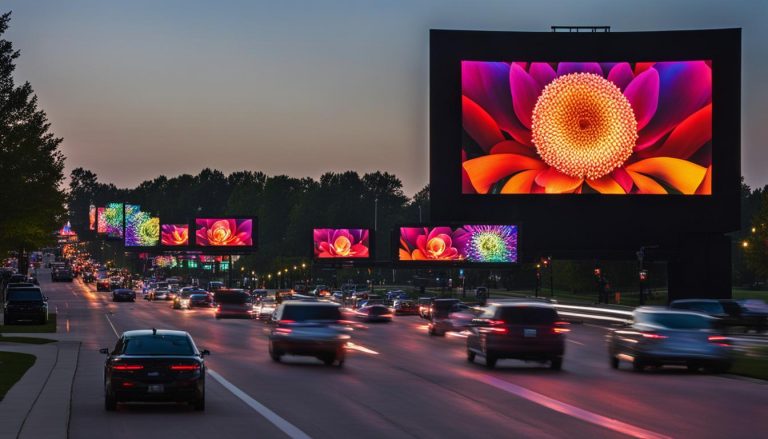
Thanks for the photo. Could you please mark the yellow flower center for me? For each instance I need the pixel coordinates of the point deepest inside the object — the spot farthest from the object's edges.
(436, 247)
(583, 126)
(342, 245)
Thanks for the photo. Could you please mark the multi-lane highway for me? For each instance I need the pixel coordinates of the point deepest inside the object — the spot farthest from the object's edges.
(397, 382)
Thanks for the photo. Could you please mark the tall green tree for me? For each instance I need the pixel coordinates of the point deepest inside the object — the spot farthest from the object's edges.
(756, 245)
(31, 165)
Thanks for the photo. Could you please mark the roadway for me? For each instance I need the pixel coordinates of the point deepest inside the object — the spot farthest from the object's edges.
(397, 382)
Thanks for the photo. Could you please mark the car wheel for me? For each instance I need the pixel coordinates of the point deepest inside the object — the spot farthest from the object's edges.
(638, 365)
(328, 360)
(199, 403)
(614, 362)
(471, 356)
(556, 363)
(693, 367)
(274, 354)
(432, 330)
(340, 364)
(721, 368)
(110, 403)
(490, 361)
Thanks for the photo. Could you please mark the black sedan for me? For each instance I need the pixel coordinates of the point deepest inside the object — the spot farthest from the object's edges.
(123, 295)
(374, 313)
(154, 365)
(200, 300)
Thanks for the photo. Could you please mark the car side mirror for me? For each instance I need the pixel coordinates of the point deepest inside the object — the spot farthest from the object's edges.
(104, 351)
(205, 352)
(45, 298)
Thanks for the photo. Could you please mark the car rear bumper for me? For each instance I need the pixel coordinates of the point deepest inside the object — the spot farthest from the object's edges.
(308, 347)
(174, 391)
(534, 350)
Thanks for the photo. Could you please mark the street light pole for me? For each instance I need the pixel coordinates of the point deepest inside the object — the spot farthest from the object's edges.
(375, 214)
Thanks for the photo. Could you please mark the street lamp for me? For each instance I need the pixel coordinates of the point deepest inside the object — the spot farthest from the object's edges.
(375, 213)
(745, 244)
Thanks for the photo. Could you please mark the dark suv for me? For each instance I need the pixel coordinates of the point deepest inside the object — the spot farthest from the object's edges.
(25, 304)
(530, 331)
(729, 314)
(308, 328)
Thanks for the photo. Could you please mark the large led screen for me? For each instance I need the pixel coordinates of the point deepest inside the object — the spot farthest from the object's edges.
(113, 219)
(468, 243)
(223, 232)
(92, 217)
(141, 229)
(586, 127)
(341, 243)
(174, 235)
(101, 220)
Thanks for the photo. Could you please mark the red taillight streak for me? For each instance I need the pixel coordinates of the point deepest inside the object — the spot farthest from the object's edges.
(557, 330)
(495, 330)
(495, 322)
(718, 340)
(653, 336)
(185, 367)
(283, 330)
(286, 322)
(127, 367)
(128, 384)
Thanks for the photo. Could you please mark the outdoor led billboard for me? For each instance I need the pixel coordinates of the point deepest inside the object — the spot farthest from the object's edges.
(174, 235)
(101, 220)
(224, 232)
(113, 219)
(608, 141)
(141, 229)
(341, 243)
(474, 244)
(641, 128)
(92, 217)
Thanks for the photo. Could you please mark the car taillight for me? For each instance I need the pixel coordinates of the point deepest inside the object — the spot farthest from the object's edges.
(127, 367)
(283, 330)
(560, 328)
(653, 335)
(495, 322)
(719, 340)
(286, 322)
(185, 367)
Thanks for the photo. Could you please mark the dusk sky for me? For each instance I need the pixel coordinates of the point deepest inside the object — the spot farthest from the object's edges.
(141, 88)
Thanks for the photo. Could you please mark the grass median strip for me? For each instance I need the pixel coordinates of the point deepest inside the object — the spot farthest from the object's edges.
(753, 363)
(13, 365)
(49, 326)
(28, 340)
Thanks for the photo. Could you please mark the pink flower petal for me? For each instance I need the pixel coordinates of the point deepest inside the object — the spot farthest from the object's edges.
(623, 178)
(565, 68)
(692, 133)
(525, 91)
(479, 124)
(542, 72)
(621, 75)
(643, 94)
(512, 147)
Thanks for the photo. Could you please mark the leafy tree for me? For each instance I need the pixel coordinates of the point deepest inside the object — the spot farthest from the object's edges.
(756, 250)
(31, 165)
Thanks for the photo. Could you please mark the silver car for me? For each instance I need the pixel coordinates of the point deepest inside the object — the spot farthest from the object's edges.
(661, 336)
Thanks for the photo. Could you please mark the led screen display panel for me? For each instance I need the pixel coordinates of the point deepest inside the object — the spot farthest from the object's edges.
(224, 232)
(174, 235)
(340, 243)
(492, 244)
(141, 229)
(92, 217)
(101, 220)
(113, 218)
(614, 128)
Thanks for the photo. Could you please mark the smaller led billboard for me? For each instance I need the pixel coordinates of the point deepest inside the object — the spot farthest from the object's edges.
(101, 220)
(341, 243)
(92, 218)
(223, 232)
(113, 218)
(493, 244)
(174, 235)
(141, 229)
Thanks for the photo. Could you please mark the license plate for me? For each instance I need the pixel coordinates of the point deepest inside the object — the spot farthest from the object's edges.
(529, 333)
(155, 388)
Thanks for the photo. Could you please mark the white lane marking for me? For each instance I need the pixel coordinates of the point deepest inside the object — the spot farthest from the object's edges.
(567, 409)
(286, 427)
(113, 326)
(357, 347)
(575, 342)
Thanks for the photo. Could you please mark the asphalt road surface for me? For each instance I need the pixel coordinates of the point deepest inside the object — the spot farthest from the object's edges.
(397, 382)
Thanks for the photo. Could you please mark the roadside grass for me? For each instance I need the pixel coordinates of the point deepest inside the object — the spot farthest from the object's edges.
(50, 326)
(741, 293)
(28, 340)
(14, 365)
(751, 363)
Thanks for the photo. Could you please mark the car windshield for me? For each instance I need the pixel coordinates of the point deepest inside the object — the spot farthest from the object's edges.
(527, 315)
(675, 321)
(21, 294)
(378, 310)
(301, 313)
(158, 345)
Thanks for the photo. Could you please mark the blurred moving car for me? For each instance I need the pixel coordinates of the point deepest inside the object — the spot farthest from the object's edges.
(233, 303)
(62, 273)
(424, 304)
(308, 328)
(757, 310)
(266, 307)
(405, 307)
(730, 314)
(154, 365)
(522, 330)
(123, 295)
(24, 303)
(439, 314)
(200, 300)
(660, 336)
(374, 313)
(102, 283)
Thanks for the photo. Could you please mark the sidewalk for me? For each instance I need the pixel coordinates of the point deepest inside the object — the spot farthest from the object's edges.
(38, 405)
